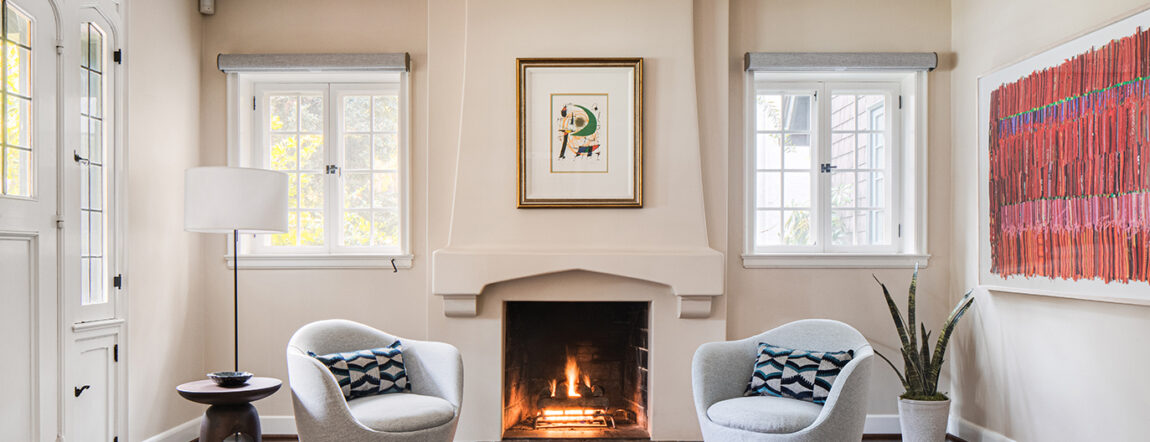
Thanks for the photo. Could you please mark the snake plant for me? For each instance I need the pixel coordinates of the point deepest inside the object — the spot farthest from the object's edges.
(920, 368)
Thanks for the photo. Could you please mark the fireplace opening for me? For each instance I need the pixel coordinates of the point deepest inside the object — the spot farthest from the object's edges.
(575, 370)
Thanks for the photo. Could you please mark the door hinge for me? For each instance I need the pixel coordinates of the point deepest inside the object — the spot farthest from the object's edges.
(826, 167)
(900, 230)
(59, 222)
(900, 101)
(116, 353)
(118, 281)
(118, 56)
(115, 439)
(253, 103)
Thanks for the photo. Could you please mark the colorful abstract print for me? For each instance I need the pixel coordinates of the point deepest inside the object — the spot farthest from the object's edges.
(796, 374)
(1070, 168)
(368, 372)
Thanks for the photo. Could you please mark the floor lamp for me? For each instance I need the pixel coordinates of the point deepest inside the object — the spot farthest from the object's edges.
(231, 199)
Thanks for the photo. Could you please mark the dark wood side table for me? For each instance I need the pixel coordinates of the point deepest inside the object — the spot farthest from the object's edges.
(231, 410)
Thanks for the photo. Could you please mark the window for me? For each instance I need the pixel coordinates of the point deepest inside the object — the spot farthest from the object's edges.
(92, 168)
(833, 177)
(343, 146)
(16, 144)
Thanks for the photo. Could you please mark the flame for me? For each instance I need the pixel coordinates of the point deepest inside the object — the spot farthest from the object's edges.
(554, 383)
(572, 377)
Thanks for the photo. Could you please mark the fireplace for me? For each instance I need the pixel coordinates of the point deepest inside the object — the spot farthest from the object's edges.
(575, 370)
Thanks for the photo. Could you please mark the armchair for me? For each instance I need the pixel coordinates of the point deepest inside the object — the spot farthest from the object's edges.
(721, 371)
(429, 412)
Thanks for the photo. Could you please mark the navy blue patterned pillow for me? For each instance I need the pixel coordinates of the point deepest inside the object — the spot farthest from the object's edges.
(368, 372)
(797, 374)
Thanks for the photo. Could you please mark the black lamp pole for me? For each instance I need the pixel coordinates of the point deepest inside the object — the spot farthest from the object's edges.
(236, 295)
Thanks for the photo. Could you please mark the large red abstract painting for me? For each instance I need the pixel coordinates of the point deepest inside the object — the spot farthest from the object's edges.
(1069, 167)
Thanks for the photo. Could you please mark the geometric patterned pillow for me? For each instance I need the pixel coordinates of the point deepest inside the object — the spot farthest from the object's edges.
(797, 374)
(368, 372)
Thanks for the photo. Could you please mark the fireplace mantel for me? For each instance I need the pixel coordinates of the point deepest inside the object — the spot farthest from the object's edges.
(459, 275)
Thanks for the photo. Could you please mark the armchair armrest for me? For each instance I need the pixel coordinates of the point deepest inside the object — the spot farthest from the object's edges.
(720, 371)
(846, 402)
(316, 392)
(434, 369)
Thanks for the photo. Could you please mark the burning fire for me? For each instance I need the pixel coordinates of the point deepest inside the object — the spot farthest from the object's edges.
(572, 377)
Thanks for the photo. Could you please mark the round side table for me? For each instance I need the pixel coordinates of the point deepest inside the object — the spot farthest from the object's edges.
(231, 410)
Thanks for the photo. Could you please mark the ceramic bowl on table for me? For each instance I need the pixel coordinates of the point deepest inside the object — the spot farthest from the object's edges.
(228, 379)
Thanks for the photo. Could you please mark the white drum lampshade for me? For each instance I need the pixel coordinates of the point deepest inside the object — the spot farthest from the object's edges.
(225, 199)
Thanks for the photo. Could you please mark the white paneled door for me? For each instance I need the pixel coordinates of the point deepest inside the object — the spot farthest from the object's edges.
(28, 228)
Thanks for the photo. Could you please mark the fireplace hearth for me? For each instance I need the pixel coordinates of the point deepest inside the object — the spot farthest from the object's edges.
(575, 370)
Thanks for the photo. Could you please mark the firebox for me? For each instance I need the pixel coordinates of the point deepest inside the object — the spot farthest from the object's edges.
(575, 370)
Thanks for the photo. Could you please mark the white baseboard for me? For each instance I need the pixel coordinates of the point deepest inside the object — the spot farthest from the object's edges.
(184, 432)
(190, 430)
(881, 424)
(972, 432)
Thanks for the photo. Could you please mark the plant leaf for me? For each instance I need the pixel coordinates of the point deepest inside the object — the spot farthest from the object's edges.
(924, 356)
(902, 379)
(910, 308)
(944, 335)
(913, 373)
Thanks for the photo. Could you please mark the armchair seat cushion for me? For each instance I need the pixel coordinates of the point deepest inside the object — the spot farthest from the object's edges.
(401, 412)
(764, 414)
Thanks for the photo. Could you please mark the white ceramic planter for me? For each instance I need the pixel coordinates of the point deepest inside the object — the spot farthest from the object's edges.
(923, 421)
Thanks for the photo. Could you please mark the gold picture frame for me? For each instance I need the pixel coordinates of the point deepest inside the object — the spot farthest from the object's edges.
(580, 132)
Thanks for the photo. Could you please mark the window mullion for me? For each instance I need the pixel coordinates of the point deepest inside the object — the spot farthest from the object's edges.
(333, 203)
(824, 156)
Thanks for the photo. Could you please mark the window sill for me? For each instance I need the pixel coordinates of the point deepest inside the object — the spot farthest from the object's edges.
(835, 261)
(321, 261)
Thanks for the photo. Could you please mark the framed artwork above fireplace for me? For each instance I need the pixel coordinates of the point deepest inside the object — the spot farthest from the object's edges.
(580, 132)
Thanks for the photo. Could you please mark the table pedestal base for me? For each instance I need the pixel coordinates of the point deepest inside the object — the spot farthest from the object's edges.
(224, 420)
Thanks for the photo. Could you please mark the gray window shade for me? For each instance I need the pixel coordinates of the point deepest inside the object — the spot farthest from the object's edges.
(840, 61)
(398, 61)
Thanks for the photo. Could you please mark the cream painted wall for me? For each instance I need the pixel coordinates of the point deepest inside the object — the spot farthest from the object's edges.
(1022, 363)
(165, 309)
(274, 303)
(761, 299)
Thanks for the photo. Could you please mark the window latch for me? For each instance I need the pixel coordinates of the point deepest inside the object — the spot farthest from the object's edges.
(331, 169)
(79, 159)
(826, 167)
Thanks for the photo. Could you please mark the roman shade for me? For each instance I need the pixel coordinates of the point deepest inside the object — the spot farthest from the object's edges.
(395, 61)
(840, 61)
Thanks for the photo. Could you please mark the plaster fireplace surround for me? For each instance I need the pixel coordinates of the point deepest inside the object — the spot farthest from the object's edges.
(658, 256)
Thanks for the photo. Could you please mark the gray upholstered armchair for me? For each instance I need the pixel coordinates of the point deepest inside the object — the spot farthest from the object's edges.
(429, 413)
(721, 371)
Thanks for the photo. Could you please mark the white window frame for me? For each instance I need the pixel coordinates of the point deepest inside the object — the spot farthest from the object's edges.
(245, 143)
(906, 151)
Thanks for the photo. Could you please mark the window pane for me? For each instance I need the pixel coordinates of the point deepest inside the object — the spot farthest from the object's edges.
(95, 95)
(385, 225)
(357, 151)
(357, 190)
(842, 189)
(356, 229)
(386, 152)
(17, 119)
(797, 114)
(85, 280)
(385, 191)
(96, 140)
(311, 113)
(17, 172)
(797, 189)
(357, 114)
(96, 186)
(770, 112)
(17, 71)
(870, 112)
(842, 227)
(797, 155)
(311, 190)
(769, 151)
(797, 228)
(842, 112)
(843, 151)
(293, 190)
(17, 26)
(311, 228)
(283, 152)
(863, 189)
(767, 231)
(98, 295)
(284, 113)
(385, 113)
(769, 189)
(311, 152)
